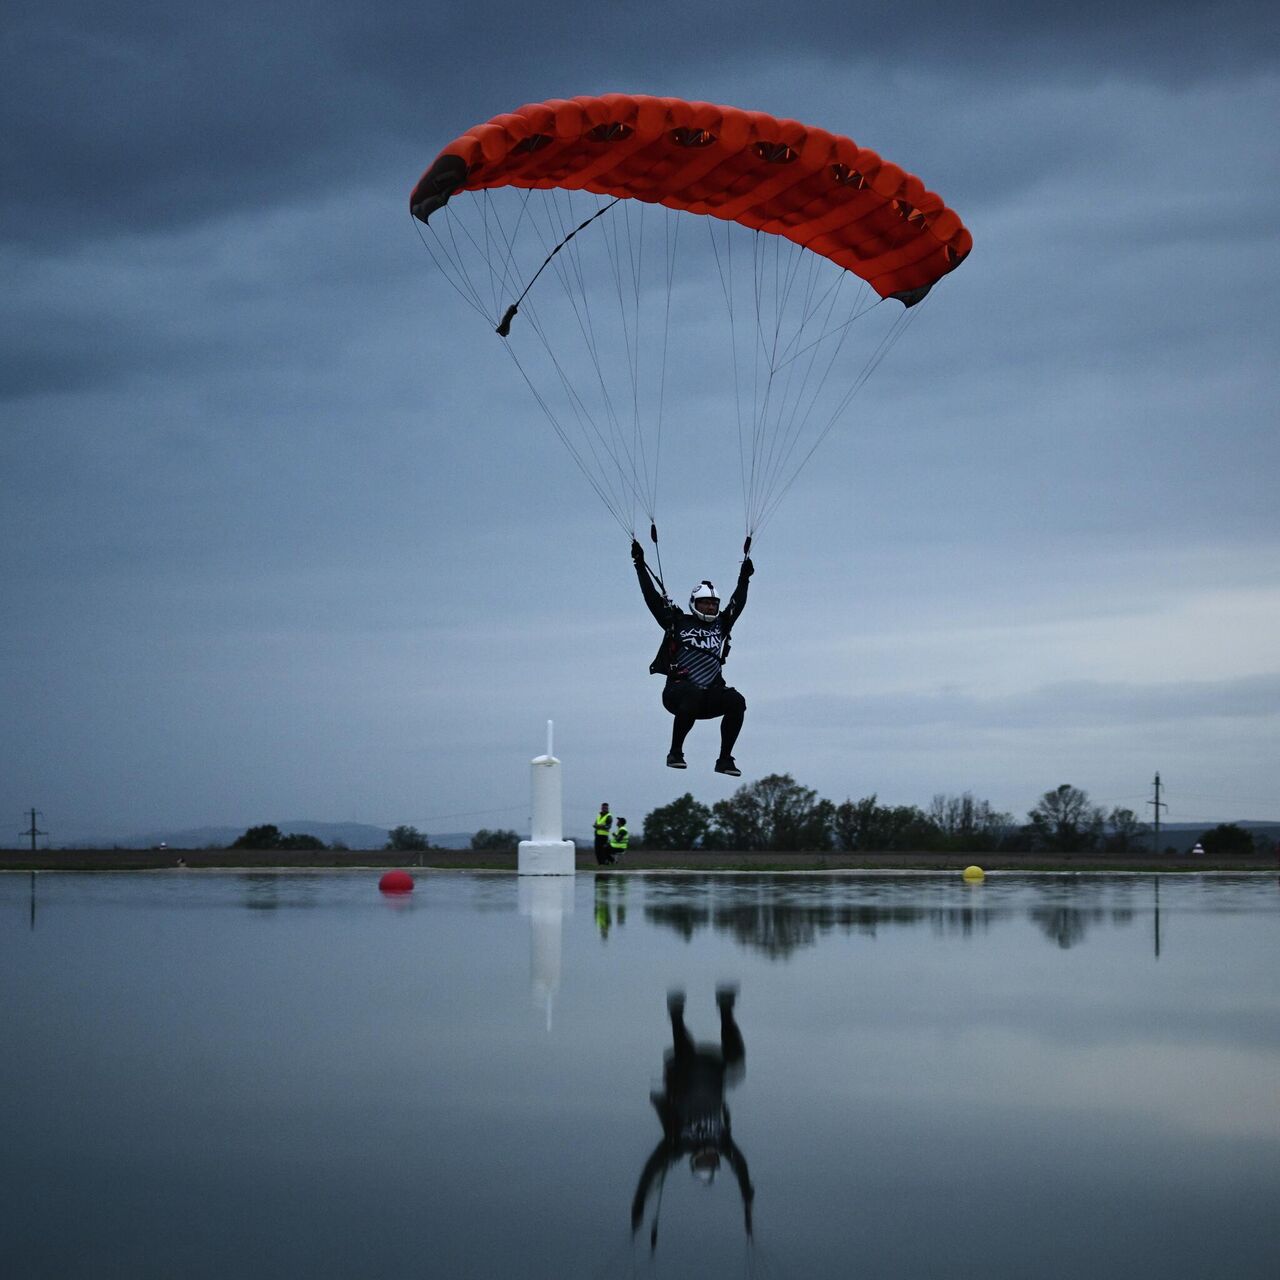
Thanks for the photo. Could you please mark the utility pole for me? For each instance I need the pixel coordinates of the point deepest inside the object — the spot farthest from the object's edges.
(33, 831)
(1159, 804)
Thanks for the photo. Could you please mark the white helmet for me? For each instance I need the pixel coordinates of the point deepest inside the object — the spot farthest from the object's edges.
(703, 1165)
(704, 591)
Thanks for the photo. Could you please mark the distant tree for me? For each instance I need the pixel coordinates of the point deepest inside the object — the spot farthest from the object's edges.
(774, 814)
(967, 824)
(1065, 820)
(266, 836)
(499, 841)
(852, 823)
(864, 825)
(682, 824)
(301, 841)
(406, 840)
(1227, 840)
(1125, 831)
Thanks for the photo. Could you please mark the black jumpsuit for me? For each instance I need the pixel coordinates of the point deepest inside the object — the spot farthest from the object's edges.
(695, 688)
(691, 1105)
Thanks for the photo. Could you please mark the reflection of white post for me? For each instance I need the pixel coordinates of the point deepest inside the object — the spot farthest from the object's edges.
(545, 853)
(546, 900)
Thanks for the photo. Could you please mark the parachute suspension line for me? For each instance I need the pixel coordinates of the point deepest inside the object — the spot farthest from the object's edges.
(670, 242)
(797, 420)
(626, 453)
(757, 345)
(504, 327)
(725, 269)
(792, 395)
(831, 333)
(586, 424)
(622, 449)
(766, 355)
(796, 429)
(786, 437)
(451, 259)
(459, 224)
(506, 280)
(624, 266)
(450, 269)
(801, 324)
(773, 282)
(619, 478)
(886, 344)
(635, 335)
(626, 249)
(569, 271)
(607, 479)
(776, 399)
(591, 478)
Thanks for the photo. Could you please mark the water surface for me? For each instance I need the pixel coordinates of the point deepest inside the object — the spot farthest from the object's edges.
(214, 1074)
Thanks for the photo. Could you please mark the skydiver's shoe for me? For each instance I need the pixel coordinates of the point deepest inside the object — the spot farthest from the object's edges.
(675, 760)
(725, 765)
(726, 995)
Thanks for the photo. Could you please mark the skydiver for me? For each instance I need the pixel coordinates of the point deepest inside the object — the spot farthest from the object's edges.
(695, 1120)
(694, 648)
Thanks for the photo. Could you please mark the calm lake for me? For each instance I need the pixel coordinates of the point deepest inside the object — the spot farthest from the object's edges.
(227, 1075)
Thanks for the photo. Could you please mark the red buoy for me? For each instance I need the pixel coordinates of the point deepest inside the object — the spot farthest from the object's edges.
(396, 882)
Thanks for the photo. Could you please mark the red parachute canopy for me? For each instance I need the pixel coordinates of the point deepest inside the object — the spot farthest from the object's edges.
(817, 189)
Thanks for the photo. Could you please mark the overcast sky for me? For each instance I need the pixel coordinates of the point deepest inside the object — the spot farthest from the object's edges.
(281, 536)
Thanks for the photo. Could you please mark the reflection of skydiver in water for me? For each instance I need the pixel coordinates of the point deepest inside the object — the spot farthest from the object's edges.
(695, 1120)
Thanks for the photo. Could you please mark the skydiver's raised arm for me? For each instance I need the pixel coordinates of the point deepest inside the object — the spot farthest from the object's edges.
(657, 1163)
(738, 1163)
(738, 601)
(661, 608)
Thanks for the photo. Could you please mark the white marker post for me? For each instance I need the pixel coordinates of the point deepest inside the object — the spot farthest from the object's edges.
(546, 853)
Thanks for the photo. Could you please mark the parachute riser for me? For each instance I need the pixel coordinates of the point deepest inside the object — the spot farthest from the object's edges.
(657, 577)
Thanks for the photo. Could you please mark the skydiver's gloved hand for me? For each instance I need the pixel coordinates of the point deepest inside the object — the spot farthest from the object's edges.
(747, 567)
(637, 552)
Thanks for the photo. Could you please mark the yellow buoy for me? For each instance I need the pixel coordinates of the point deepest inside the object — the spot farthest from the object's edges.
(974, 873)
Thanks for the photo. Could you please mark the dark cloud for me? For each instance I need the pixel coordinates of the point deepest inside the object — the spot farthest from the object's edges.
(128, 116)
(270, 495)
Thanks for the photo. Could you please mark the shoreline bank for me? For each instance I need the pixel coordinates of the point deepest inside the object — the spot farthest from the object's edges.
(251, 860)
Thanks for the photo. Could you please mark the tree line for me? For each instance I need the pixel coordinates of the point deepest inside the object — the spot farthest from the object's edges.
(403, 839)
(411, 840)
(777, 814)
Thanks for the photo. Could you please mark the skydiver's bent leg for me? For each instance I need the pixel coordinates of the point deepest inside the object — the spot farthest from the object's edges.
(731, 1045)
(685, 702)
(681, 1041)
(733, 707)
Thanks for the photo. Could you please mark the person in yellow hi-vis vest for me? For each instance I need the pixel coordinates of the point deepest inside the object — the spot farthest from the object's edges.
(619, 840)
(604, 820)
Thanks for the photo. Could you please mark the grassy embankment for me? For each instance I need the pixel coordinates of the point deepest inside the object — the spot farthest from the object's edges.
(637, 860)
